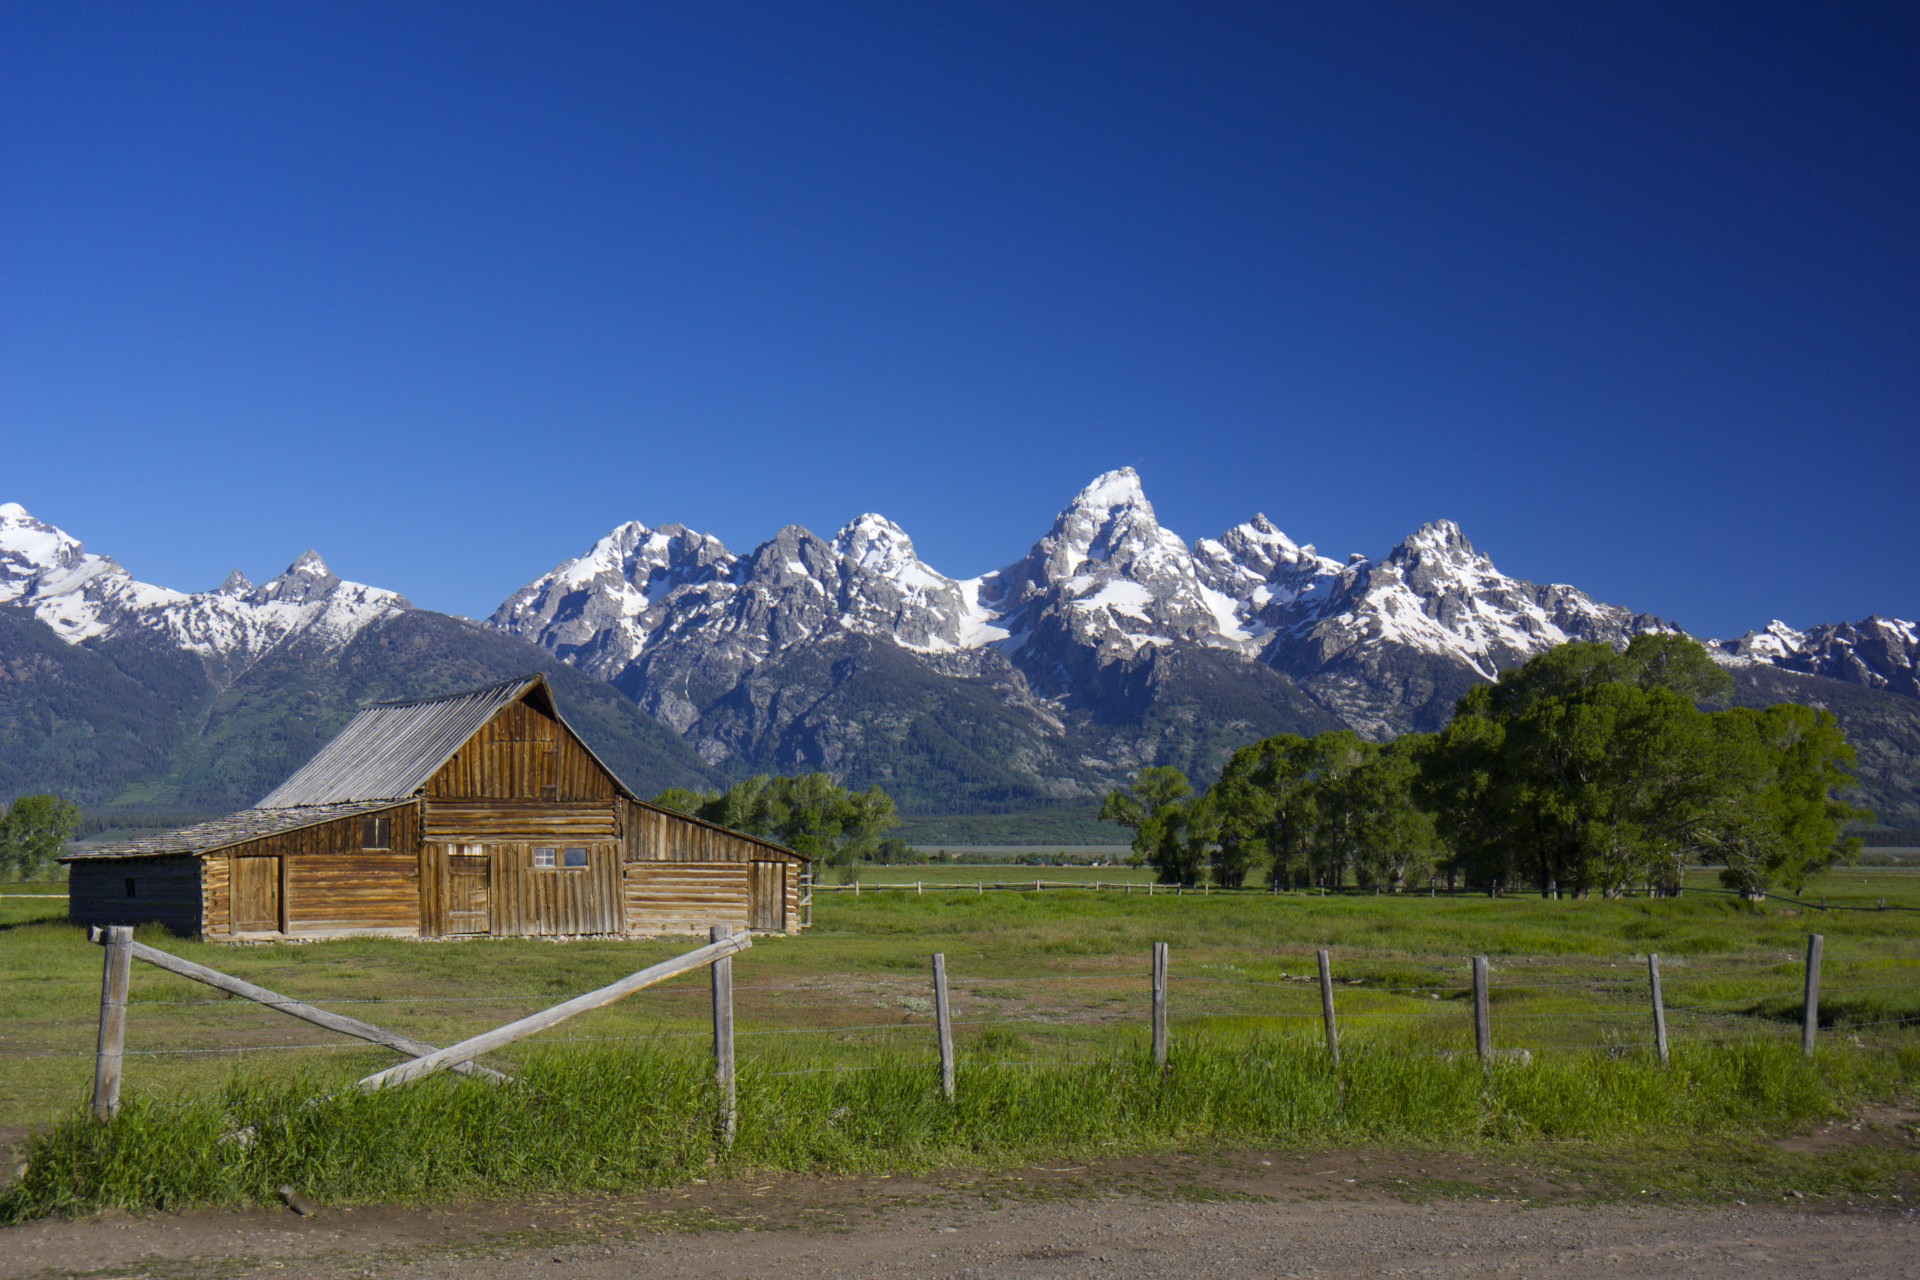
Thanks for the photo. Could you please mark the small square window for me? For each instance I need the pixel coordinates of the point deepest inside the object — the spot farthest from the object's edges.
(543, 857)
(576, 858)
(376, 833)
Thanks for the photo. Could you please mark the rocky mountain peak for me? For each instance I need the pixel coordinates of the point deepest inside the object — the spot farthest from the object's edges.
(1437, 537)
(877, 545)
(304, 581)
(235, 585)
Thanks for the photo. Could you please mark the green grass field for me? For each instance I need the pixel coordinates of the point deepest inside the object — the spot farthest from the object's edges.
(1049, 988)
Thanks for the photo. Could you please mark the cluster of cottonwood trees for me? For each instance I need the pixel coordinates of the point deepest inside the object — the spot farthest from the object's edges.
(810, 814)
(1587, 770)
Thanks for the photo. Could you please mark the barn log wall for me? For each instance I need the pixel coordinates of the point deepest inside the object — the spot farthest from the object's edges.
(656, 835)
(166, 891)
(535, 901)
(353, 892)
(685, 897)
(523, 754)
(463, 821)
(330, 884)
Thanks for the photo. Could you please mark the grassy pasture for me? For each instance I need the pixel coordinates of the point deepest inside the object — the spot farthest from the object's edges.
(1050, 1001)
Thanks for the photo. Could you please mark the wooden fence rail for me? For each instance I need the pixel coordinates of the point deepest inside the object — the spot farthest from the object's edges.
(533, 1024)
(121, 950)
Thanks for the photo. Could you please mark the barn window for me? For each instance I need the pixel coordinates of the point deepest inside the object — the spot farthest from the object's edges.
(376, 833)
(130, 892)
(543, 857)
(576, 858)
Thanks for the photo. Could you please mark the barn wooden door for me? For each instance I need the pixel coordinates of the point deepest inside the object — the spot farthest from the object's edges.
(256, 895)
(469, 904)
(767, 896)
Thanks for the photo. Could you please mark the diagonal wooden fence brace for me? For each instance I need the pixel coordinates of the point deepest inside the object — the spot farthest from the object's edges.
(293, 1008)
(533, 1024)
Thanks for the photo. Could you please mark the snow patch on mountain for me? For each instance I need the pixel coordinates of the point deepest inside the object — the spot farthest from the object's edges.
(1434, 593)
(1876, 652)
(84, 597)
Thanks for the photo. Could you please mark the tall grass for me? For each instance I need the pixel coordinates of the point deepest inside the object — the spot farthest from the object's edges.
(628, 1117)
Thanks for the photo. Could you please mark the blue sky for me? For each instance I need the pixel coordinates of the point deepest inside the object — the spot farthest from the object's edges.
(447, 290)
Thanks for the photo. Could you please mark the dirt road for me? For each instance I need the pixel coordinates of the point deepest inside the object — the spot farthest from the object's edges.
(1246, 1214)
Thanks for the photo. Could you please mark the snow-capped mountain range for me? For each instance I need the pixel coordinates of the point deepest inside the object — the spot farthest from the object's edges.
(1106, 585)
(1112, 643)
(83, 597)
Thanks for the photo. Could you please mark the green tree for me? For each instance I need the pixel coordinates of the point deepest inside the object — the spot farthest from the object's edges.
(34, 832)
(1460, 776)
(1264, 807)
(1601, 782)
(1776, 817)
(1394, 841)
(1165, 834)
(810, 814)
(1680, 664)
(1595, 769)
(681, 800)
(1331, 841)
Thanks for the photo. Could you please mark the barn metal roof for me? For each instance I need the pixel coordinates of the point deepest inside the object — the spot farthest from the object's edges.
(390, 749)
(235, 828)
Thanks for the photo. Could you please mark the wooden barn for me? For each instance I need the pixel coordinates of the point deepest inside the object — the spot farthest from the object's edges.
(473, 814)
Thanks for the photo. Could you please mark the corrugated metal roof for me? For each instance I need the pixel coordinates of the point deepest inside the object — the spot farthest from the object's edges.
(235, 828)
(389, 750)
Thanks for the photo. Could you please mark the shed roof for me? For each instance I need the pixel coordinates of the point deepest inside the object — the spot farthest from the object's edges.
(390, 749)
(235, 828)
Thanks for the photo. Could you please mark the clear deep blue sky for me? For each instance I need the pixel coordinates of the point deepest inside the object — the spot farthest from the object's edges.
(446, 291)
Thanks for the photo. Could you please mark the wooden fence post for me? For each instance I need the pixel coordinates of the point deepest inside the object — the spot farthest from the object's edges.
(723, 1037)
(945, 1017)
(1482, 1014)
(1160, 1004)
(1810, 1015)
(1659, 1008)
(1326, 1007)
(114, 977)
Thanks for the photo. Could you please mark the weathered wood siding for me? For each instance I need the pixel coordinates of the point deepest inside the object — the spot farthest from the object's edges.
(523, 754)
(532, 901)
(216, 900)
(455, 889)
(656, 836)
(257, 894)
(465, 821)
(767, 884)
(685, 897)
(165, 891)
(353, 893)
(342, 835)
